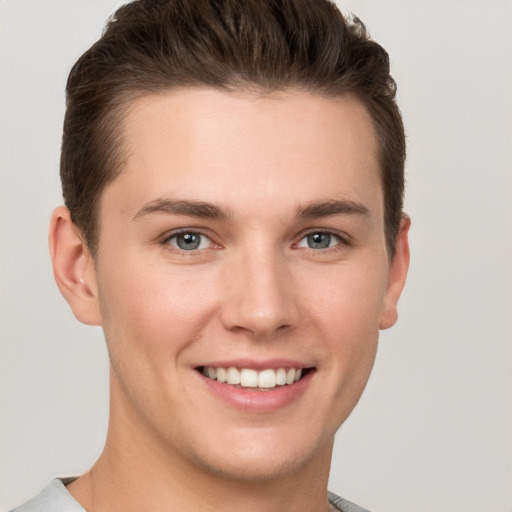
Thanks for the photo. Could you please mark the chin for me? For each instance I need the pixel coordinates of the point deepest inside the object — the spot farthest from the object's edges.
(258, 470)
(263, 460)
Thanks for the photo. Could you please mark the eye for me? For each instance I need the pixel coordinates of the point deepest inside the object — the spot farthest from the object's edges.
(189, 241)
(320, 240)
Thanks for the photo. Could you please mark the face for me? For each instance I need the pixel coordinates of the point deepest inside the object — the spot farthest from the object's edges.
(242, 277)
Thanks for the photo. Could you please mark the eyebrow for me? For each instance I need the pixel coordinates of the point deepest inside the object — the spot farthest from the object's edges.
(332, 207)
(207, 210)
(184, 207)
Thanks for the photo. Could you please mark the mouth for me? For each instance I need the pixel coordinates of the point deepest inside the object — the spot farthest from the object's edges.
(249, 378)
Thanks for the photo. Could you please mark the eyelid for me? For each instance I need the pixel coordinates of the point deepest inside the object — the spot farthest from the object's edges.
(344, 238)
(181, 231)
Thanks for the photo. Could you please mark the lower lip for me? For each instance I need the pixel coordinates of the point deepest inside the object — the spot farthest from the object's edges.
(250, 399)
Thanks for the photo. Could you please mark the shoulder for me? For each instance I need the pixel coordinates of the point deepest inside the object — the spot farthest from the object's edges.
(53, 498)
(344, 505)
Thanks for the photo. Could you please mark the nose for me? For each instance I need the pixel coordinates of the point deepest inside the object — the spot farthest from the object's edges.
(259, 297)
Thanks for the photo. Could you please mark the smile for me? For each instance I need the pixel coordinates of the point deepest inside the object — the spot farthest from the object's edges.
(250, 378)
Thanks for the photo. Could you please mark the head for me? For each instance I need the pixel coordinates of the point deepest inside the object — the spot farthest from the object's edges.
(152, 47)
(233, 171)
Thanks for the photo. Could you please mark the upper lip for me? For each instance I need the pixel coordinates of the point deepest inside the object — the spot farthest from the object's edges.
(255, 365)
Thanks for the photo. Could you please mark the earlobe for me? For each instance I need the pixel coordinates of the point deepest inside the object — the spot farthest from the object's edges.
(397, 275)
(73, 267)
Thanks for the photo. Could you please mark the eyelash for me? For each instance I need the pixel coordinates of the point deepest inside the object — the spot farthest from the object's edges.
(342, 241)
(183, 232)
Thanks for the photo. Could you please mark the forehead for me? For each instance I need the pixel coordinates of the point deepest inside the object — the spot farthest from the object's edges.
(209, 145)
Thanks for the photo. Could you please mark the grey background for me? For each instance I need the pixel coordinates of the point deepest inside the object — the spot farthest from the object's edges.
(434, 428)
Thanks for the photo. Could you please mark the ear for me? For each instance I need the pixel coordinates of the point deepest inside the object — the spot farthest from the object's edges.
(73, 267)
(397, 274)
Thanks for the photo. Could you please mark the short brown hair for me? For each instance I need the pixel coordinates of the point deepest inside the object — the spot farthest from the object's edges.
(151, 46)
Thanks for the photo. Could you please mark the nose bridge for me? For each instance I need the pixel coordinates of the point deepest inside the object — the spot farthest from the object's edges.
(259, 296)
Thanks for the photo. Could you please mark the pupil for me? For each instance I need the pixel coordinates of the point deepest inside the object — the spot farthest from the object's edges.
(319, 240)
(188, 241)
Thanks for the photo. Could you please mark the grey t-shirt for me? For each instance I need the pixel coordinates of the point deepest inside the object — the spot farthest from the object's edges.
(56, 498)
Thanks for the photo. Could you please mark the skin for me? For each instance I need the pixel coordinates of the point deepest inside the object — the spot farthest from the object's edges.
(254, 289)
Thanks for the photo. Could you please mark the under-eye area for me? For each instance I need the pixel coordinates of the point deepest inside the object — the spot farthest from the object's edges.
(249, 378)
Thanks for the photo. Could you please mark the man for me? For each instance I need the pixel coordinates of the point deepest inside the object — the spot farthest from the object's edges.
(233, 178)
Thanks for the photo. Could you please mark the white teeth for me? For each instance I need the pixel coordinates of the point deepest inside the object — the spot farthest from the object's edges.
(267, 379)
(249, 378)
(233, 376)
(281, 377)
(221, 375)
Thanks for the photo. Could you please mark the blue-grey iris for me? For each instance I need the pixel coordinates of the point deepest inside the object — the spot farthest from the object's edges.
(319, 240)
(188, 241)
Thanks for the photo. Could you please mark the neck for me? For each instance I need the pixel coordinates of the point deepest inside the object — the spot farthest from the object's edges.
(133, 476)
(128, 482)
(137, 472)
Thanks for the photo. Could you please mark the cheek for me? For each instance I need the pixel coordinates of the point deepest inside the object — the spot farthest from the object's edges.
(348, 316)
(157, 310)
(150, 317)
(349, 300)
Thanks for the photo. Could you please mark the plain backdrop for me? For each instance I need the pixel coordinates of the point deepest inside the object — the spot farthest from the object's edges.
(433, 430)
